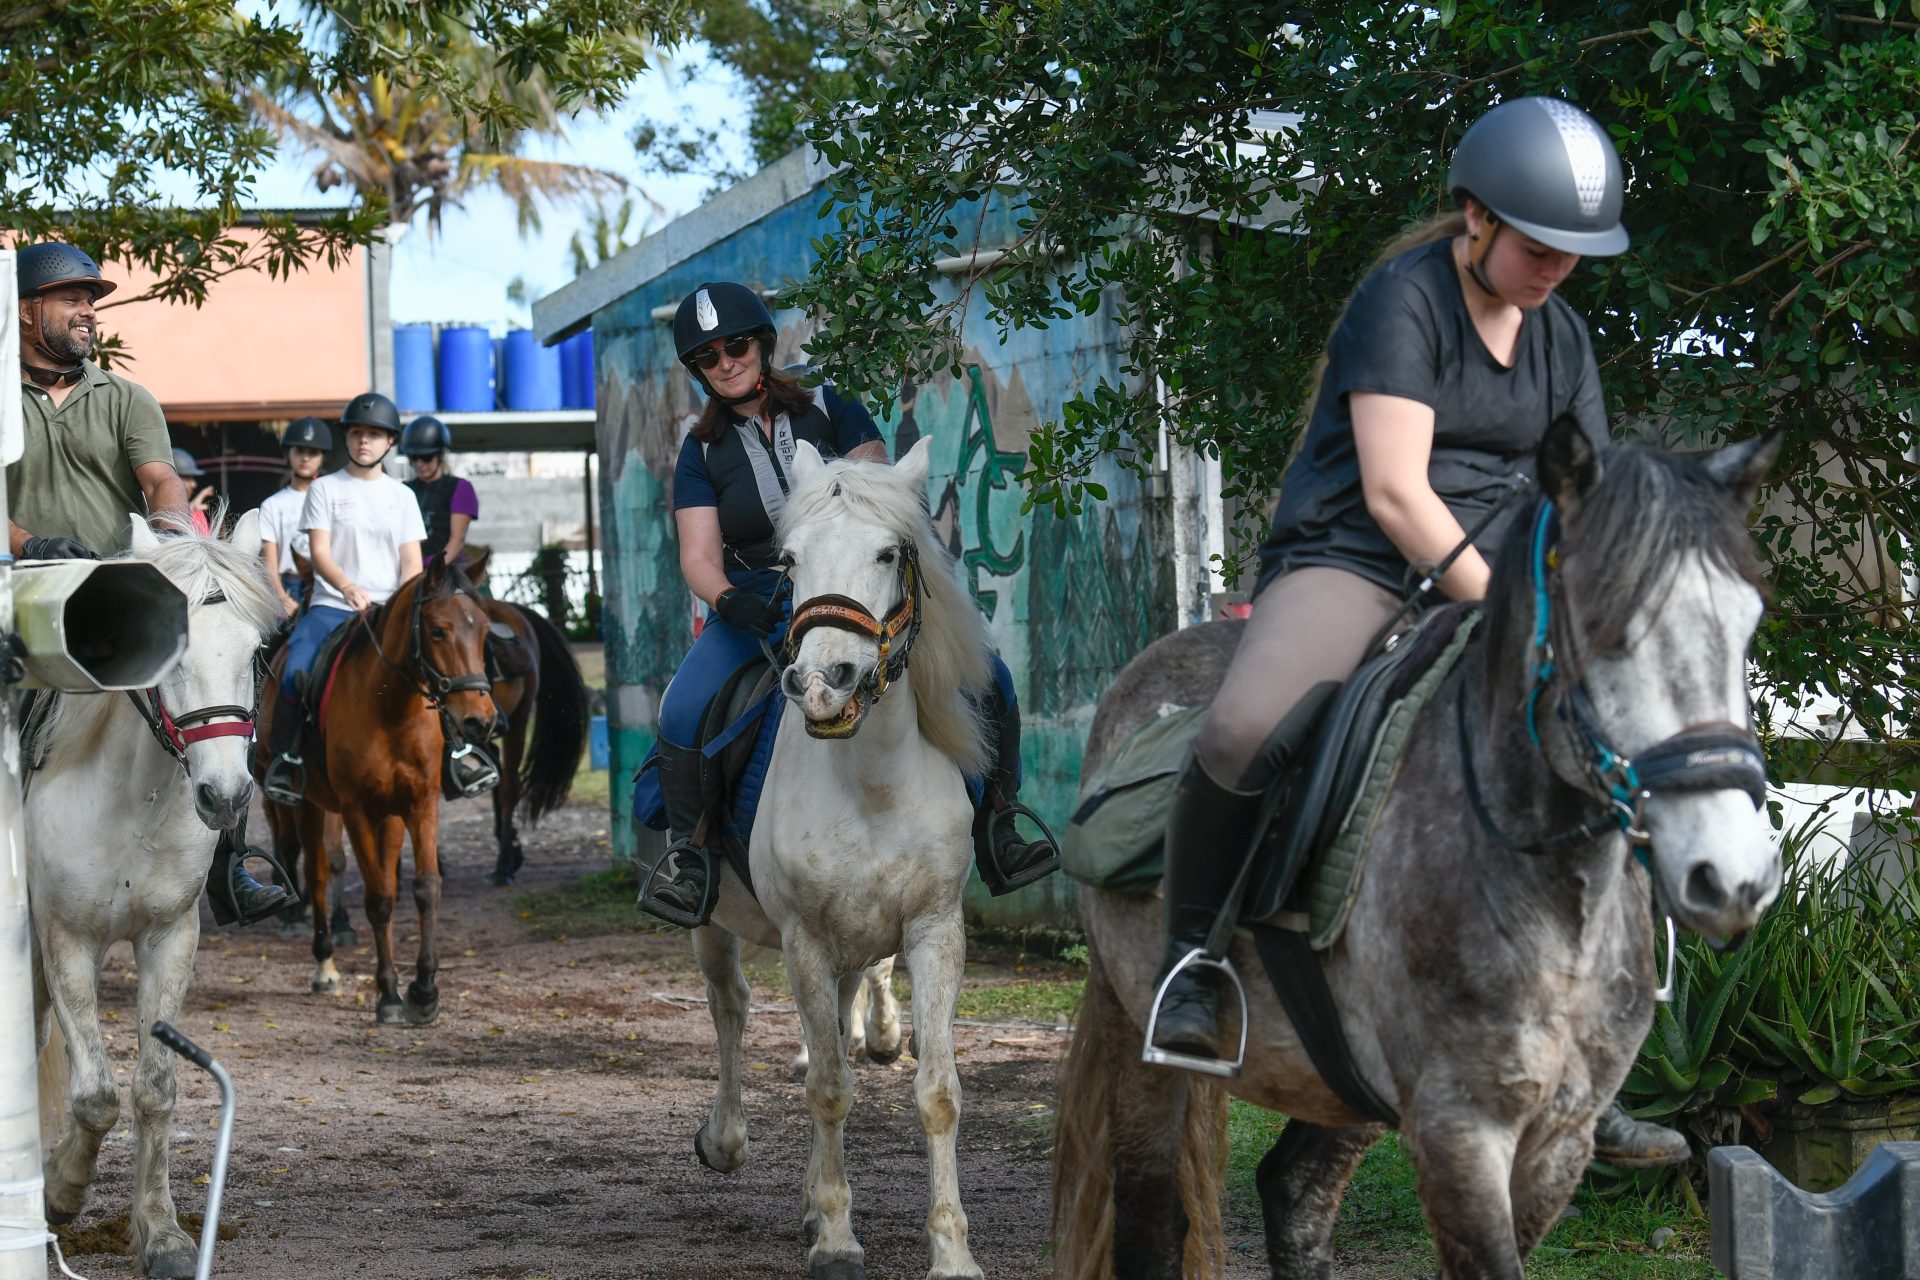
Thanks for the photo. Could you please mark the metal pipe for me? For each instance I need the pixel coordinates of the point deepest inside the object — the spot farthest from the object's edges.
(222, 1146)
(23, 1221)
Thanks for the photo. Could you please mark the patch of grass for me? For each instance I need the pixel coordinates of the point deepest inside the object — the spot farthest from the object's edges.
(1048, 1000)
(599, 903)
(1381, 1219)
(591, 787)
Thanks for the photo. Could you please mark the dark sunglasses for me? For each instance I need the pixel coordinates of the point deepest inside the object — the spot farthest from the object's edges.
(735, 348)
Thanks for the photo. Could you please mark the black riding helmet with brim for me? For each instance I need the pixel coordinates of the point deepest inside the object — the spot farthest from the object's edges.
(1545, 168)
(425, 436)
(40, 267)
(722, 309)
(307, 433)
(371, 409)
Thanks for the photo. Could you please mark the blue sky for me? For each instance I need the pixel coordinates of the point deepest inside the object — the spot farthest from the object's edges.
(461, 273)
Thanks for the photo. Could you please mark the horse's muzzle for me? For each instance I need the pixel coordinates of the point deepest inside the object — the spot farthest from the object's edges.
(220, 808)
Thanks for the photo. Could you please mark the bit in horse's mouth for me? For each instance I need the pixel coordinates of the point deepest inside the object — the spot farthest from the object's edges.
(844, 725)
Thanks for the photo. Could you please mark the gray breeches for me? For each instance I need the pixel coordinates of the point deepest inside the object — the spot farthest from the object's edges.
(1309, 626)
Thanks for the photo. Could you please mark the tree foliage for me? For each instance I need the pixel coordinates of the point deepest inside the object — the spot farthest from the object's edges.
(1227, 176)
(108, 107)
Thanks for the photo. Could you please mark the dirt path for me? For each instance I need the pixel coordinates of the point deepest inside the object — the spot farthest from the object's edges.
(543, 1128)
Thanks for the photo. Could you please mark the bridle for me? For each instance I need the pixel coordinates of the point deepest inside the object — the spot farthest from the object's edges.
(175, 733)
(428, 680)
(895, 633)
(1709, 756)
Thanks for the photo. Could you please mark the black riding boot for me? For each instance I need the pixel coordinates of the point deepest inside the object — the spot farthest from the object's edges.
(679, 887)
(1005, 860)
(235, 896)
(286, 777)
(1209, 829)
(1626, 1143)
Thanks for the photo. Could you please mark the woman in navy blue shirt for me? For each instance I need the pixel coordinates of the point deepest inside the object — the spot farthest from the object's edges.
(730, 486)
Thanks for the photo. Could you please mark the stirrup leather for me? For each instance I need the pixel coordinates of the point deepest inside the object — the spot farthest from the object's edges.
(1152, 1053)
(1004, 817)
(664, 868)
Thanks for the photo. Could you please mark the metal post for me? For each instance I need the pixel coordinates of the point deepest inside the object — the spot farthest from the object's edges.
(593, 579)
(23, 1223)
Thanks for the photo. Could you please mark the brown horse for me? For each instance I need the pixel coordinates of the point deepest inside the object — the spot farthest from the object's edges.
(408, 663)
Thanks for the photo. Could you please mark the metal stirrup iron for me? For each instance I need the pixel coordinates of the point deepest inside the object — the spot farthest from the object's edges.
(1154, 1054)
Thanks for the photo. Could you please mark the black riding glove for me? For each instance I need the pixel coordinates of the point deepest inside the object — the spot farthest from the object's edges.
(37, 548)
(751, 612)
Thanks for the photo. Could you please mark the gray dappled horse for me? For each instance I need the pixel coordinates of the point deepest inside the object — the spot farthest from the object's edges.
(1494, 994)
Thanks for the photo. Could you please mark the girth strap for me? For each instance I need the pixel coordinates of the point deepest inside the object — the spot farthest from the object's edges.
(1300, 978)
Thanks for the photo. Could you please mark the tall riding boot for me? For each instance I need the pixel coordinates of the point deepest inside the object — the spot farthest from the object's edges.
(680, 887)
(1209, 829)
(286, 777)
(1626, 1143)
(1006, 861)
(235, 896)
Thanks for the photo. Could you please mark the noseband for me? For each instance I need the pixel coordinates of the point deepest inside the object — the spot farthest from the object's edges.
(1711, 756)
(895, 633)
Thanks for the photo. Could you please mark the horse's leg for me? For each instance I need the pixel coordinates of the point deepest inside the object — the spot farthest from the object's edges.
(1146, 1111)
(1543, 1182)
(1465, 1165)
(721, 1143)
(883, 1014)
(376, 846)
(72, 966)
(937, 954)
(283, 828)
(1301, 1181)
(313, 847)
(164, 958)
(506, 796)
(836, 1253)
(423, 825)
(337, 918)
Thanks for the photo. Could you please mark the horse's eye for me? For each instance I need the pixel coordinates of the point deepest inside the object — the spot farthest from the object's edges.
(439, 633)
(887, 556)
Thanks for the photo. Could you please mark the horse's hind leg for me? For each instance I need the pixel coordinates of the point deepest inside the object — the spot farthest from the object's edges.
(721, 1143)
(1301, 1181)
(836, 1253)
(72, 967)
(882, 1022)
(336, 845)
(313, 823)
(506, 796)
(937, 956)
(164, 959)
(283, 829)
(1146, 1112)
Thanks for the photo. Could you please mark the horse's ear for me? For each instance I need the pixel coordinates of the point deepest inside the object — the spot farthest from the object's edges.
(246, 534)
(807, 462)
(145, 540)
(1741, 467)
(917, 463)
(1569, 464)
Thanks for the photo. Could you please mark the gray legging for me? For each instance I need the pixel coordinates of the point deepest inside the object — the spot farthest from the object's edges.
(1309, 626)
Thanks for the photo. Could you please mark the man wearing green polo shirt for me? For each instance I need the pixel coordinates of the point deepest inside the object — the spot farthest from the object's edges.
(96, 452)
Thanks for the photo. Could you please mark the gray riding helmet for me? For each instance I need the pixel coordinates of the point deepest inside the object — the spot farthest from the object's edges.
(1546, 169)
(185, 464)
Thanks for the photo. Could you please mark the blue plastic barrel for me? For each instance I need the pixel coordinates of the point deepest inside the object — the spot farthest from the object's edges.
(598, 756)
(413, 368)
(533, 374)
(576, 371)
(466, 370)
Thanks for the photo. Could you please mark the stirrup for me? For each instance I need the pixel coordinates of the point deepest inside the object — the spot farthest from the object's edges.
(226, 908)
(1039, 870)
(469, 772)
(650, 884)
(1152, 1053)
(280, 792)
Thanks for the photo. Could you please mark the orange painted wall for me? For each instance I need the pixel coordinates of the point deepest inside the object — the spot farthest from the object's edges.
(260, 347)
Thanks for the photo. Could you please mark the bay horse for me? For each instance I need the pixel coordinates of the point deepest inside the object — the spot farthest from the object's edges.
(121, 822)
(536, 684)
(1494, 980)
(406, 664)
(863, 837)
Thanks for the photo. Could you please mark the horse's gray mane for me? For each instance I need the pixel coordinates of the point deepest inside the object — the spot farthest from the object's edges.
(950, 656)
(1649, 511)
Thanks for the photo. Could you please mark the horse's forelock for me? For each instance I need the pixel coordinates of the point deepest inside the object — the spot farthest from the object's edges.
(203, 565)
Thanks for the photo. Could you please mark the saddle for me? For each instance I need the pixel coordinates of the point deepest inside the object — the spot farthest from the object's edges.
(508, 657)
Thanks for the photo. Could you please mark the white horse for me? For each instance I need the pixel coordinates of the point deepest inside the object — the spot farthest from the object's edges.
(120, 831)
(863, 842)
(873, 1021)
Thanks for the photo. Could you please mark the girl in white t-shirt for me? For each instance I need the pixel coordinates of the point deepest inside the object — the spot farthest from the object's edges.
(283, 543)
(364, 533)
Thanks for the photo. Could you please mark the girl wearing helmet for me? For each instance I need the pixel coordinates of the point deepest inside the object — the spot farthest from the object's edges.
(1449, 361)
(729, 489)
(306, 443)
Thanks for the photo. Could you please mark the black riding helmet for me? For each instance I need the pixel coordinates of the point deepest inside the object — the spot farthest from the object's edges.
(425, 436)
(371, 409)
(1545, 168)
(722, 309)
(307, 433)
(40, 267)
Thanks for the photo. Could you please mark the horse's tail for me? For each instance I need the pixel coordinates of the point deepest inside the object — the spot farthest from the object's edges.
(53, 1073)
(1083, 1148)
(559, 723)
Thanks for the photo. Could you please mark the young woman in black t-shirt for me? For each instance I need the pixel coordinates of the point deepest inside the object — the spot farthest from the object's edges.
(1448, 363)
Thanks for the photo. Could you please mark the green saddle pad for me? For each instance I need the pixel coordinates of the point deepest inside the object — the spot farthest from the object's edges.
(1117, 836)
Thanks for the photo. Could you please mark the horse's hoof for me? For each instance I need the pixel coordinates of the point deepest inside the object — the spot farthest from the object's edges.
(391, 1013)
(717, 1163)
(178, 1262)
(502, 879)
(325, 986)
(345, 937)
(881, 1056)
(60, 1218)
(837, 1269)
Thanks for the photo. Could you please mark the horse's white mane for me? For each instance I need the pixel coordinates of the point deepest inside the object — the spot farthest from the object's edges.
(950, 656)
(201, 565)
